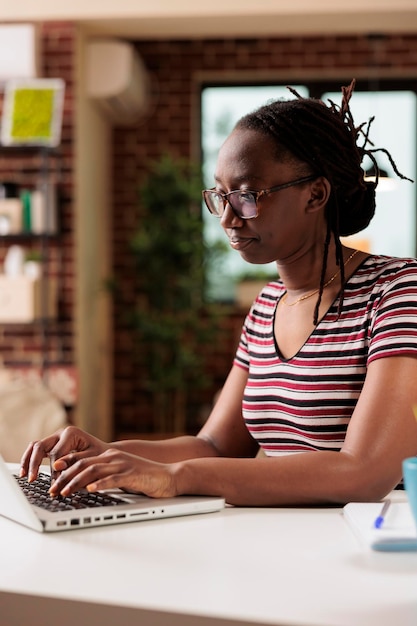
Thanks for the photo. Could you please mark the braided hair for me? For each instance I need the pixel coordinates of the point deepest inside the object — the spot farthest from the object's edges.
(326, 139)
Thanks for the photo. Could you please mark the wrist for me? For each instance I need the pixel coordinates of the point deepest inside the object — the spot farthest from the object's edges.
(181, 478)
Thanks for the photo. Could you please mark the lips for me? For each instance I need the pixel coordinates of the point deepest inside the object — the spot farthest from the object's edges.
(239, 243)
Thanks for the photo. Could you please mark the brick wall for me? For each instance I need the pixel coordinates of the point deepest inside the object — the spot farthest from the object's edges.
(177, 68)
(23, 349)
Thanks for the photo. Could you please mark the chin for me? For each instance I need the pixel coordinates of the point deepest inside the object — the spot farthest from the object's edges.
(256, 260)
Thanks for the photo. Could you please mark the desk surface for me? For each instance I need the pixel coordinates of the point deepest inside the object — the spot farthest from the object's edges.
(240, 566)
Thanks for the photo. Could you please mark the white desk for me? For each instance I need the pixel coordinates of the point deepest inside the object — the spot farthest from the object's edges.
(240, 566)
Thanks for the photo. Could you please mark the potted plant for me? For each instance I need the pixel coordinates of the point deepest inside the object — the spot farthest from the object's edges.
(171, 319)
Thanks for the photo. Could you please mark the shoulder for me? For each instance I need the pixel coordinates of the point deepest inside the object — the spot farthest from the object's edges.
(380, 265)
(381, 270)
(269, 296)
(382, 282)
(263, 307)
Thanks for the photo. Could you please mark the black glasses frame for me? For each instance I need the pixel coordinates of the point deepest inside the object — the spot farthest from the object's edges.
(256, 194)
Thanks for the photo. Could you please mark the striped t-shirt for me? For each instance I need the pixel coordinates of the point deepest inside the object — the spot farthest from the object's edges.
(305, 402)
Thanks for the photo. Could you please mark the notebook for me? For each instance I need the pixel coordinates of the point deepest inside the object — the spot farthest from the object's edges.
(397, 533)
(109, 507)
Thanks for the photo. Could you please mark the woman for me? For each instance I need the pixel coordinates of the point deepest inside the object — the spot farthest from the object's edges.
(325, 374)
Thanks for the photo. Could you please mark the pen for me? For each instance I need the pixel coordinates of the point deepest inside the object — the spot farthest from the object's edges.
(381, 517)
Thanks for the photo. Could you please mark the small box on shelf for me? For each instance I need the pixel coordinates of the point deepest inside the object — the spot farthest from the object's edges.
(28, 211)
(10, 216)
(24, 299)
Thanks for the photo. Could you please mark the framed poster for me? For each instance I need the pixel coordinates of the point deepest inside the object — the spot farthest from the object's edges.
(32, 112)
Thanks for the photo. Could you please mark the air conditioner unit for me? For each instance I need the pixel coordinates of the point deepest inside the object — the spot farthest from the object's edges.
(117, 80)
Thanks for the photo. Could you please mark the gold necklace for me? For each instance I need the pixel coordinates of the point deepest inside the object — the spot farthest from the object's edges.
(312, 293)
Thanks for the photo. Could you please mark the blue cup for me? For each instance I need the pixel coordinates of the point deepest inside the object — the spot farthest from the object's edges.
(410, 483)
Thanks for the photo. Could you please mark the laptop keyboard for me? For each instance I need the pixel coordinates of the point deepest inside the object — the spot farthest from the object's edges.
(37, 494)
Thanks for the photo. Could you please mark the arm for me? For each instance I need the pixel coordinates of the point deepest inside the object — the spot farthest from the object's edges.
(71, 444)
(228, 436)
(381, 433)
(150, 466)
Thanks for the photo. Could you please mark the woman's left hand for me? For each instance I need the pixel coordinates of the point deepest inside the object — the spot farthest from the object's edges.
(114, 468)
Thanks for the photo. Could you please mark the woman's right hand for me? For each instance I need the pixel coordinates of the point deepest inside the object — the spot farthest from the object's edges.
(63, 448)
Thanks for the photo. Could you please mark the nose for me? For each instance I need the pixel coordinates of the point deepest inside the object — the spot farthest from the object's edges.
(229, 219)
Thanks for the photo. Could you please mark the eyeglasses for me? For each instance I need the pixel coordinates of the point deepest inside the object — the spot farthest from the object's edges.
(244, 203)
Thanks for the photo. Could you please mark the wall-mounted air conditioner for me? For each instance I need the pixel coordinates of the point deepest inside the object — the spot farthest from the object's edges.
(117, 80)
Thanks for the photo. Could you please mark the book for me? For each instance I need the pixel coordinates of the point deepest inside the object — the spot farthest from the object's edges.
(397, 533)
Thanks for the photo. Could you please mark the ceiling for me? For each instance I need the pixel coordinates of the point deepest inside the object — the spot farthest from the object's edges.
(220, 18)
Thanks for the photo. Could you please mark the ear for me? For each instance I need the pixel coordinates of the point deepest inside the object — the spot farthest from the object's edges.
(320, 190)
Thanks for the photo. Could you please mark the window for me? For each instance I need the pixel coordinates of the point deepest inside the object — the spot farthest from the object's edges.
(221, 108)
(392, 230)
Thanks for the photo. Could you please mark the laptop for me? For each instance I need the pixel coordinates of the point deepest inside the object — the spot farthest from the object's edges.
(30, 504)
